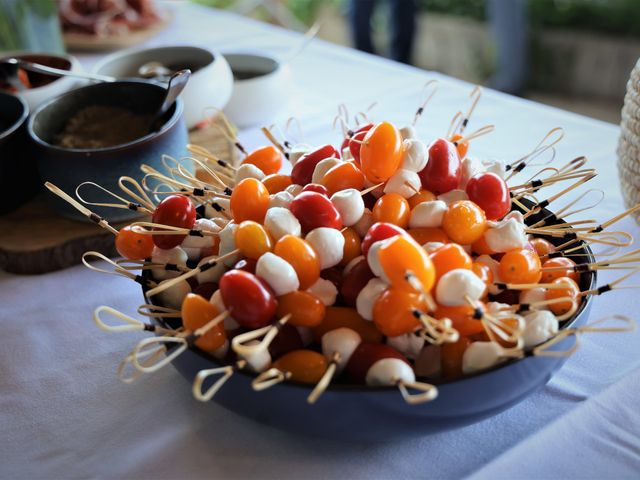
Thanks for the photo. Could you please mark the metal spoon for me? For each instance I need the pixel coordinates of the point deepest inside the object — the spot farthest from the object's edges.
(177, 82)
(9, 72)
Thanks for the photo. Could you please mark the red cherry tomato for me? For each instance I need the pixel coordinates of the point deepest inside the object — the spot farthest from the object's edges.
(316, 187)
(175, 211)
(249, 300)
(302, 171)
(491, 193)
(365, 356)
(314, 210)
(247, 265)
(206, 290)
(443, 171)
(354, 281)
(134, 245)
(379, 231)
(287, 340)
(355, 143)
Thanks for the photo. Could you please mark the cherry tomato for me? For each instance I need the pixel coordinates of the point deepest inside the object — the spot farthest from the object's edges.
(249, 300)
(249, 201)
(366, 355)
(421, 196)
(196, 313)
(316, 187)
(542, 247)
(252, 239)
(451, 357)
(481, 247)
(343, 176)
(520, 266)
(276, 182)
(134, 245)
(338, 317)
(443, 169)
(462, 147)
(304, 366)
(352, 245)
(206, 290)
(355, 143)
(401, 255)
(302, 257)
(464, 222)
(267, 158)
(287, 340)
(175, 211)
(393, 312)
(381, 152)
(392, 208)
(306, 310)
(302, 171)
(449, 257)
(314, 210)
(484, 273)
(571, 291)
(549, 276)
(354, 281)
(424, 235)
(379, 231)
(491, 193)
(246, 264)
(461, 317)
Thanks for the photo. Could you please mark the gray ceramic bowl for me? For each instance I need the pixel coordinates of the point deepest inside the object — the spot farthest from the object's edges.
(68, 167)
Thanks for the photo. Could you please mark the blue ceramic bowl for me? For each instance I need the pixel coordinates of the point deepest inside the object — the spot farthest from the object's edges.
(69, 167)
(356, 412)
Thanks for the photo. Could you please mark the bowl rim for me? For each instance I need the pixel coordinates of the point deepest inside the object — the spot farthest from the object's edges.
(249, 53)
(21, 119)
(169, 124)
(73, 62)
(348, 387)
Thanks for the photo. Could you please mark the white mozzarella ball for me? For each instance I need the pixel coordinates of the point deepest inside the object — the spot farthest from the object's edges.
(322, 167)
(211, 274)
(506, 235)
(405, 183)
(457, 284)
(362, 226)
(173, 256)
(539, 327)
(297, 151)
(534, 295)
(481, 355)
(409, 344)
(281, 199)
(328, 243)
(325, 291)
(228, 243)
(368, 297)
(294, 189)
(415, 155)
(374, 261)
(389, 371)
(498, 307)
(173, 296)
(378, 192)
(278, 273)
(495, 166)
(247, 170)
(217, 208)
(470, 167)
(408, 132)
(349, 204)
(197, 247)
(349, 266)
(428, 214)
(494, 266)
(343, 341)
(428, 364)
(431, 247)
(516, 215)
(346, 154)
(306, 335)
(280, 222)
(258, 361)
(229, 322)
(453, 196)
(221, 351)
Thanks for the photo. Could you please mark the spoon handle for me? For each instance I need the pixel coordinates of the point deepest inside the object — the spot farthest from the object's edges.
(35, 67)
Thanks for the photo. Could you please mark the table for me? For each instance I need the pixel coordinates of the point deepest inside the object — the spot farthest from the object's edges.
(63, 413)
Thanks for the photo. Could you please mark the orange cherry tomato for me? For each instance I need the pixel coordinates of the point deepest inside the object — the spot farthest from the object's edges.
(570, 290)
(352, 245)
(132, 244)
(421, 196)
(462, 148)
(338, 317)
(484, 273)
(520, 266)
(304, 366)
(252, 239)
(276, 182)
(196, 313)
(449, 257)
(481, 248)
(302, 257)
(342, 176)
(451, 358)
(249, 201)
(462, 318)
(267, 158)
(381, 152)
(393, 312)
(392, 208)
(424, 235)
(542, 246)
(567, 270)
(306, 310)
(464, 222)
(401, 255)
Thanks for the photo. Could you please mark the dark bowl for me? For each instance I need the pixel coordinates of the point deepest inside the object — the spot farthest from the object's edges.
(68, 167)
(19, 179)
(356, 412)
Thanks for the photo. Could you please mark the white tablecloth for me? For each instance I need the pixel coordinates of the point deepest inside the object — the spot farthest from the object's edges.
(63, 414)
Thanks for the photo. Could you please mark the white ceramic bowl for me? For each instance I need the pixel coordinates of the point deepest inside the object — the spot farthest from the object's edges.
(261, 88)
(35, 96)
(210, 84)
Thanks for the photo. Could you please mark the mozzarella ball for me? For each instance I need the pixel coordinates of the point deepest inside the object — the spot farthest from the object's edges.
(323, 167)
(328, 243)
(325, 291)
(280, 222)
(258, 361)
(415, 155)
(516, 215)
(428, 214)
(494, 266)
(408, 132)
(409, 344)
(173, 256)
(481, 355)
(211, 274)
(539, 327)
(534, 295)
(349, 204)
(495, 166)
(297, 151)
(228, 244)
(470, 167)
(197, 247)
(294, 189)
(453, 196)
(217, 208)
(281, 199)
(346, 154)
(349, 266)
(343, 341)
(374, 261)
(248, 170)
(278, 273)
(368, 297)
(428, 363)
(431, 247)
(457, 284)
(389, 371)
(173, 296)
(506, 235)
(229, 322)
(405, 183)
(362, 226)
(498, 307)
